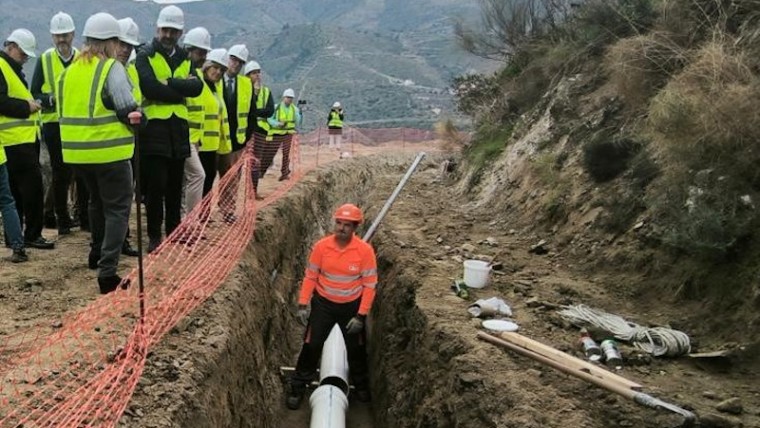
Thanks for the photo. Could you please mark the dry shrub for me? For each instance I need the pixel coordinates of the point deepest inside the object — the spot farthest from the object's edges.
(453, 139)
(706, 117)
(640, 65)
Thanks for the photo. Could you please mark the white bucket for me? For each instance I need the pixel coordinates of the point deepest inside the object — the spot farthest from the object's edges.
(476, 273)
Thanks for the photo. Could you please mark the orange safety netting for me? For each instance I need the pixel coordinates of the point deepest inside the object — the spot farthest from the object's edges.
(84, 373)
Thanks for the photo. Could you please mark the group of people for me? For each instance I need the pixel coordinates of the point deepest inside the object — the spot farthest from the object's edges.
(200, 108)
(192, 109)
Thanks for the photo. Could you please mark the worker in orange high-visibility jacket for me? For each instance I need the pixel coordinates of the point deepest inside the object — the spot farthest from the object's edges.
(339, 283)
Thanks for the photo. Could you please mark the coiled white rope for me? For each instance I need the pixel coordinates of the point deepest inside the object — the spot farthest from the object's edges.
(658, 341)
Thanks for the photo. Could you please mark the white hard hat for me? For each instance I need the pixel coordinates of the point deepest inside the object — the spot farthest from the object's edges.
(218, 56)
(130, 32)
(171, 17)
(251, 66)
(336, 104)
(289, 93)
(198, 37)
(101, 26)
(239, 51)
(61, 23)
(25, 41)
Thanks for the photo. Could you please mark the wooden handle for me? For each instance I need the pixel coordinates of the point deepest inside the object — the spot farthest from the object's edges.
(566, 360)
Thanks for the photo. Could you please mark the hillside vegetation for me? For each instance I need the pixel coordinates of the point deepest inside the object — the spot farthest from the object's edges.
(628, 131)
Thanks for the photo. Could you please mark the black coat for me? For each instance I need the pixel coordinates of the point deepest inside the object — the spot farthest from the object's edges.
(165, 137)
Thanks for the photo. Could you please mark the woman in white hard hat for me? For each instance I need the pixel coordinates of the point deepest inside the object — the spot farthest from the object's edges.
(258, 127)
(335, 125)
(215, 128)
(94, 101)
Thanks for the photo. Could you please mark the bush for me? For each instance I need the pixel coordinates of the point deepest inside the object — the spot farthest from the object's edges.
(605, 158)
(638, 66)
(487, 144)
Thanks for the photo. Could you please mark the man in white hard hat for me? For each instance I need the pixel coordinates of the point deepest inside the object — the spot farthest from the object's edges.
(283, 124)
(50, 65)
(94, 101)
(258, 127)
(166, 80)
(335, 125)
(238, 97)
(197, 44)
(19, 126)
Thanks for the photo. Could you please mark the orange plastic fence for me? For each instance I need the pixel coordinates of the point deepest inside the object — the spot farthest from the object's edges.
(84, 373)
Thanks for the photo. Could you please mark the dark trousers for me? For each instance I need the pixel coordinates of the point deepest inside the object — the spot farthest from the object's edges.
(260, 148)
(162, 179)
(62, 172)
(208, 161)
(110, 189)
(82, 199)
(324, 315)
(25, 177)
(287, 142)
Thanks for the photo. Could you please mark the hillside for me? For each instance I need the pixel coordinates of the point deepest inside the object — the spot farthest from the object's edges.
(390, 63)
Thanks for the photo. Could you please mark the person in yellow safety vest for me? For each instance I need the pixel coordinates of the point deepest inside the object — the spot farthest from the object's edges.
(50, 65)
(282, 127)
(238, 98)
(94, 101)
(166, 81)
(129, 40)
(19, 133)
(197, 44)
(258, 127)
(215, 131)
(335, 125)
(11, 223)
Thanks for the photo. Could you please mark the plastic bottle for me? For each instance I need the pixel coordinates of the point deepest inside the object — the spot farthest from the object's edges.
(590, 348)
(611, 354)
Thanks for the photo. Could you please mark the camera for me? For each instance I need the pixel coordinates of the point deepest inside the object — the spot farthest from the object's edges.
(302, 102)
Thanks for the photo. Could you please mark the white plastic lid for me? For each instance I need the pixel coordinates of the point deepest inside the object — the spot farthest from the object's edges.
(500, 325)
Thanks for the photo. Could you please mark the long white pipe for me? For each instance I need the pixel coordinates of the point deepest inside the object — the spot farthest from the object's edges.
(333, 369)
(328, 407)
(371, 231)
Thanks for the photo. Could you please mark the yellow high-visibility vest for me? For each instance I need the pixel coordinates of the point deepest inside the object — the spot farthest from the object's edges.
(159, 109)
(261, 102)
(244, 96)
(52, 67)
(335, 120)
(3, 159)
(216, 126)
(134, 79)
(195, 116)
(286, 114)
(17, 131)
(90, 133)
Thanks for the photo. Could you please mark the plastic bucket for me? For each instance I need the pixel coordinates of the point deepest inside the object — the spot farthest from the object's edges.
(476, 273)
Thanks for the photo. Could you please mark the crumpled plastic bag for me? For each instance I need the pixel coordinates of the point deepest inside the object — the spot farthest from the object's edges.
(489, 308)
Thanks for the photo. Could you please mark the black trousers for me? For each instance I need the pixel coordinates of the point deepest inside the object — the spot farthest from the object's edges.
(287, 142)
(324, 315)
(208, 161)
(62, 173)
(266, 152)
(25, 177)
(162, 180)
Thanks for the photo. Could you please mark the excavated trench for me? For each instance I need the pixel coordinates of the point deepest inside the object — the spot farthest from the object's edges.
(220, 367)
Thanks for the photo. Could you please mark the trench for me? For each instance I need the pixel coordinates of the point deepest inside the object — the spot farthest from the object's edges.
(220, 367)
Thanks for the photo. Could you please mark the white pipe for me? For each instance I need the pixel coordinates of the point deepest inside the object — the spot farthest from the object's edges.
(333, 368)
(328, 407)
(373, 227)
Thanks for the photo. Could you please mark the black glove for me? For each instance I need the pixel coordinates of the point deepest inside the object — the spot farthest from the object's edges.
(356, 325)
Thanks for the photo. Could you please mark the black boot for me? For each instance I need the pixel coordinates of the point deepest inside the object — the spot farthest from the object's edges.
(295, 397)
(108, 284)
(127, 249)
(92, 260)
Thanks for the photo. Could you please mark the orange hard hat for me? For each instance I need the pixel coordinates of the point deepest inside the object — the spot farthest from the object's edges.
(349, 212)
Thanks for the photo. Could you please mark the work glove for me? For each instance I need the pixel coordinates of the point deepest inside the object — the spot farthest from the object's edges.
(303, 314)
(355, 325)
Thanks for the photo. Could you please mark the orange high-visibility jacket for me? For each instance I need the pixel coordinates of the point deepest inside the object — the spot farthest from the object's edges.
(341, 275)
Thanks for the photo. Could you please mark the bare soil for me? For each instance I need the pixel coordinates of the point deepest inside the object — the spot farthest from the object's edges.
(220, 365)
